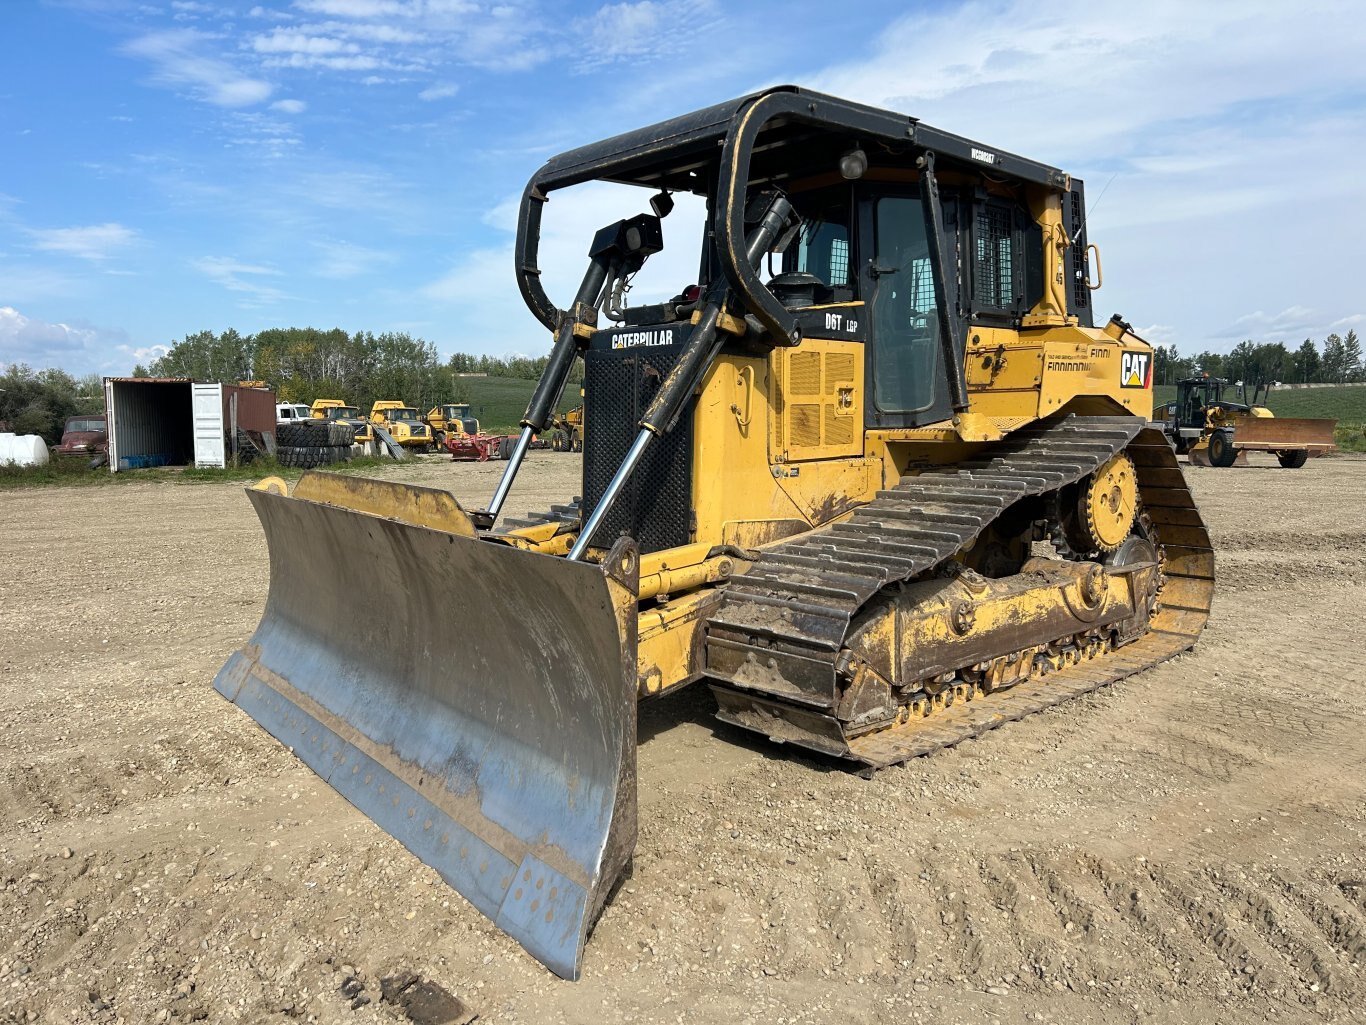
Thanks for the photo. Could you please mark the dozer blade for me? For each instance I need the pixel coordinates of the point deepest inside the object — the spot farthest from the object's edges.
(1282, 433)
(475, 700)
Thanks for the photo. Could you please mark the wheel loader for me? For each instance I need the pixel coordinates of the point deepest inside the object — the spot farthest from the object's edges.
(1214, 430)
(874, 478)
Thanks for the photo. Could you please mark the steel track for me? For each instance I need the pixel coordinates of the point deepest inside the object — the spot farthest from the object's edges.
(795, 607)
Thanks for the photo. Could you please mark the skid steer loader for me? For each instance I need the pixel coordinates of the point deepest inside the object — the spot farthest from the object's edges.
(875, 479)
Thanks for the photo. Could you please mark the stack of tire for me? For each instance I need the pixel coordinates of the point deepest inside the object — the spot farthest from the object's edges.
(313, 443)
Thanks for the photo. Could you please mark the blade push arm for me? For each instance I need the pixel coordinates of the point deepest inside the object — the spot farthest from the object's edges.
(699, 352)
(617, 249)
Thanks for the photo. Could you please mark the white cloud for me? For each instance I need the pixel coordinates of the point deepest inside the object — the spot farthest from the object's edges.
(353, 8)
(356, 62)
(442, 91)
(77, 346)
(976, 69)
(419, 35)
(1260, 324)
(90, 242)
(178, 61)
(262, 134)
(22, 337)
(146, 353)
(287, 41)
(480, 288)
(342, 260)
(236, 276)
(289, 106)
(375, 32)
(633, 32)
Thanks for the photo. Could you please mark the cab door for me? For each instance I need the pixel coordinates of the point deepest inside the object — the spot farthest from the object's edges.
(903, 361)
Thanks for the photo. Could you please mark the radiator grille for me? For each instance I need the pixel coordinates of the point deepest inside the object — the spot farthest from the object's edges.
(839, 430)
(806, 373)
(839, 371)
(655, 507)
(779, 370)
(806, 425)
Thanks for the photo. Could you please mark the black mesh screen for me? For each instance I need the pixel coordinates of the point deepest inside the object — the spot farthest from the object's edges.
(993, 278)
(655, 507)
(1081, 295)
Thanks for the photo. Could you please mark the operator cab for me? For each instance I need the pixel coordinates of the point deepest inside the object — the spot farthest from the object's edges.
(860, 269)
(828, 221)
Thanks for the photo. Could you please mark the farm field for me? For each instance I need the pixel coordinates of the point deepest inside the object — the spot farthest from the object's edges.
(1188, 846)
(499, 402)
(1346, 405)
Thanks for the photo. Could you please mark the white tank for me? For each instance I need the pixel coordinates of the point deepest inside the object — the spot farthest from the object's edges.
(22, 450)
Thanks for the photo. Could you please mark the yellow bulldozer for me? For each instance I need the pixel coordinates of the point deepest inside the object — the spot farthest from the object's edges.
(876, 480)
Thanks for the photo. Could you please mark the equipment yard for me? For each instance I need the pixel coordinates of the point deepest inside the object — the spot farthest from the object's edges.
(1186, 846)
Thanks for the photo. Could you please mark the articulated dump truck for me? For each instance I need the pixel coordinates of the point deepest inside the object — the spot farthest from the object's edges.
(875, 479)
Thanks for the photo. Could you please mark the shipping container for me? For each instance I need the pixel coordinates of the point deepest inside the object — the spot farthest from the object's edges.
(174, 421)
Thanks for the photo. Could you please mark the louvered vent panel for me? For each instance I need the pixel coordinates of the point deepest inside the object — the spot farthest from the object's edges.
(806, 425)
(839, 430)
(839, 371)
(805, 377)
(779, 364)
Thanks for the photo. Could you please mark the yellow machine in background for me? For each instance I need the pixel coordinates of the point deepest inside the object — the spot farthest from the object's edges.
(1214, 430)
(336, 409)
(567, 434)
(450, 419)
(403, 424)
(816, 482)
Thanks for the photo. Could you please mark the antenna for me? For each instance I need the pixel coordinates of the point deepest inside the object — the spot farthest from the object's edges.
(1085, 213)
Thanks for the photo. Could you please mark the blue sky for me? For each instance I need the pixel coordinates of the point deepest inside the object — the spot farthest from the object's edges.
(169, 166)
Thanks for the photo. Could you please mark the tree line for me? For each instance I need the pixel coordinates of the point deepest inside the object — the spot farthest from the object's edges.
(1337, 361)
(304, 364)
(39, 401)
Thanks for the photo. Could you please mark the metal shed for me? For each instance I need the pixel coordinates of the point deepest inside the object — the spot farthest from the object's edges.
(175, 421)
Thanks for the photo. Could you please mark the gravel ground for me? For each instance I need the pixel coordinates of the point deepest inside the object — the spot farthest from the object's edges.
(1184, 847)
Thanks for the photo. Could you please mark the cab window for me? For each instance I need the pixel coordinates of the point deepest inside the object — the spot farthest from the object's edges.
(823, 245)
(905, 308)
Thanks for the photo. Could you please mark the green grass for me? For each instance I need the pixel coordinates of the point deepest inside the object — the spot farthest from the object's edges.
(1345, 405)
(499, 402)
